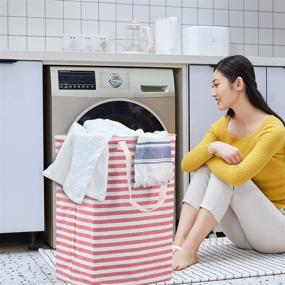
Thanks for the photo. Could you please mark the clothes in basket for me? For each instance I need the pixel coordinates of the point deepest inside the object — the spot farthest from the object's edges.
(125, 239)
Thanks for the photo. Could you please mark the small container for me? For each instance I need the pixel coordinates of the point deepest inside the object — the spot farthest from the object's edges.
(206, 40)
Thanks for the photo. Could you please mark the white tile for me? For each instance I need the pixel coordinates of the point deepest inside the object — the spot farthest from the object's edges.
(72, 10)
(265, 50)
(140, 2)
(221, 18)
(36, 8)
(72, 26)
(236, 4)
(236, 18)
(157, 2)
(265, 20)
(124, 12)
(17, 26)
(53, 44)
(4, 8)
(3, 42)
(109, 28)
(122, 31)
(54, 27)
(36, 43)
(265, 5)
(250, 36)
(190, 3)
(236, 35)
(266, 36)
(279, 37)
(279, 20)
(3, 25)
(121, 46)
(176, 3)
(279, 5)
(17, 8)
(124, 1)
(236, 49)
(17, 42)
(206, 4)
(54, 9)
(250, 50)
(279, 51)
(221, 4)
(141, 13)
(36, 27)
(174, 12)
(250, 19)
(205, 17)
(251, 5)
(190, 16)
(157, 12)
(107, 12)
(90, 11)
(89, 27)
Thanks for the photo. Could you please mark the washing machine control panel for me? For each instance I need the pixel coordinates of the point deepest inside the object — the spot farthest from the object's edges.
(76, 79)
(115, 80)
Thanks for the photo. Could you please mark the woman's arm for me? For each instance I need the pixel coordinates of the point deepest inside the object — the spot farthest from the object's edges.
(270, 142)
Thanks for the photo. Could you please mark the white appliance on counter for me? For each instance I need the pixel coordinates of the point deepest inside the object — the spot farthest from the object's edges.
(21, 147)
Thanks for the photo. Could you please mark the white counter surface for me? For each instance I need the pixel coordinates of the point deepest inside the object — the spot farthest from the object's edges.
(88, 58)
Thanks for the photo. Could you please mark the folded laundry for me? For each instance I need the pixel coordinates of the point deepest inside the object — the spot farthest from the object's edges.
(153, 163)
(81, 165)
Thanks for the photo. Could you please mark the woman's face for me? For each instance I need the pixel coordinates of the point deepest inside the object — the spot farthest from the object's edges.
(223, 91)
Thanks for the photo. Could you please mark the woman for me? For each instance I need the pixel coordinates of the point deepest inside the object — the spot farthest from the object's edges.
(240, 171)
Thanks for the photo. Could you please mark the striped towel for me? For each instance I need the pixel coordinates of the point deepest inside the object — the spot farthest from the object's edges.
(153, 164)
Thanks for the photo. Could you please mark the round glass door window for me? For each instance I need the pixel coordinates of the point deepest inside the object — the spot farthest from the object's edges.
(132, 115)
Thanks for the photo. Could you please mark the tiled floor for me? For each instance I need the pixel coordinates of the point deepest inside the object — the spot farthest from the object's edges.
(18, 265)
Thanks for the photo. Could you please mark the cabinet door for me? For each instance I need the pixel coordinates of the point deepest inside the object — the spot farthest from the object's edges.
(21, 147)
(202, 107)
(260, 75)
(275, 89)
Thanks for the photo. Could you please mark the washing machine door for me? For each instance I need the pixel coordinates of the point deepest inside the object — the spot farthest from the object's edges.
(133, 115)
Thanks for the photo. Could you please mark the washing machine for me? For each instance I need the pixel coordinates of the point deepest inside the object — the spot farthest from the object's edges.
(140, 98)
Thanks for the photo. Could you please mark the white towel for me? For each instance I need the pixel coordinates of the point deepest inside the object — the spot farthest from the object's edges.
(153, 163)
(81, 166)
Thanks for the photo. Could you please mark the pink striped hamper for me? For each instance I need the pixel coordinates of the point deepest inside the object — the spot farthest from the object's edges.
(114, 241)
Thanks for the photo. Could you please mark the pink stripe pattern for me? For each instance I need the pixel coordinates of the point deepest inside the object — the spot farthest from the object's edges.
(111, 242)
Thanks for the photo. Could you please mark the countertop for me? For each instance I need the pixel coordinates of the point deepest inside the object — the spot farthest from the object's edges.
(89, 58)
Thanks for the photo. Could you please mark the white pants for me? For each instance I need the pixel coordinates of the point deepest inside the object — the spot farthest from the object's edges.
(248, 218)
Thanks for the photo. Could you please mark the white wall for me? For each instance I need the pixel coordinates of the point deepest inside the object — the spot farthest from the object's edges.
(257, 26)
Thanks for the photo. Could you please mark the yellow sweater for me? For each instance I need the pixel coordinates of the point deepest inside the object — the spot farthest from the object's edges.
(263, 155)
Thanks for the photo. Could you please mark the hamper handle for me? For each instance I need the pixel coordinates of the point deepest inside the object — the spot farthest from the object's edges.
(163, 189)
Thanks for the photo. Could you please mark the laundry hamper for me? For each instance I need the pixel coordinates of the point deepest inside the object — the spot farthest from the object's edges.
(120, 240)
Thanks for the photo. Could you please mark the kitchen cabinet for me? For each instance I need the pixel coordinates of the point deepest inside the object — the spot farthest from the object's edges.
(21, 147)
(275, 89)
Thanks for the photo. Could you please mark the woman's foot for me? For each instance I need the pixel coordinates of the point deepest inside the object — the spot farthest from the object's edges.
(182, 259)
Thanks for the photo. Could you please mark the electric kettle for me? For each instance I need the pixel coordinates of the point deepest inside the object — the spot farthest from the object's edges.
(140, 38)
(167, 36)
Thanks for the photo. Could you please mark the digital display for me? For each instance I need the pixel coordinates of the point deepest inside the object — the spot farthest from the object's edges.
(76, 79)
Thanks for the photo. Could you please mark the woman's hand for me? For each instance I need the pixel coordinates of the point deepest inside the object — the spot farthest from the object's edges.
(227, 152)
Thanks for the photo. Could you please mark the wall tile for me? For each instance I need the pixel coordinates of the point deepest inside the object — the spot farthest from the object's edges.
(279, 37)
(236, 4)
(107, 12)
(17, 8)
(122, 31)
(3, 25)
(106, 27)
(157, 12)
(17, 42)
(251, 35)
(36, 43)
(17, 26)
(174, 12)
(89, 27)
(250, 50)
(236, 18)
(54, 27)
(236, 35)
(176, 3)
(251, 5)
(265, 5)
(206, 4)
(279, 20)
(265, 20)
(36, 8)
(265, 50)
(236, 49)
(4, 12)
(72, 10)
(36, 27)
(251, 19)
(54, 9)
(190, 3)
(71, 26)
(90, 11)
(53, 44)
(278, 5)
(266, 36)
(141, 13)
(3, 42)
(190, 16)
(140, 2)
(205, 17)
(221, 18)
(221, 4)
(158, 2)
(279, 51)
(124, 1)
(124, 12)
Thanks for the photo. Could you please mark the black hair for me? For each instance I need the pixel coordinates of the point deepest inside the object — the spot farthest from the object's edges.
(237, 65)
